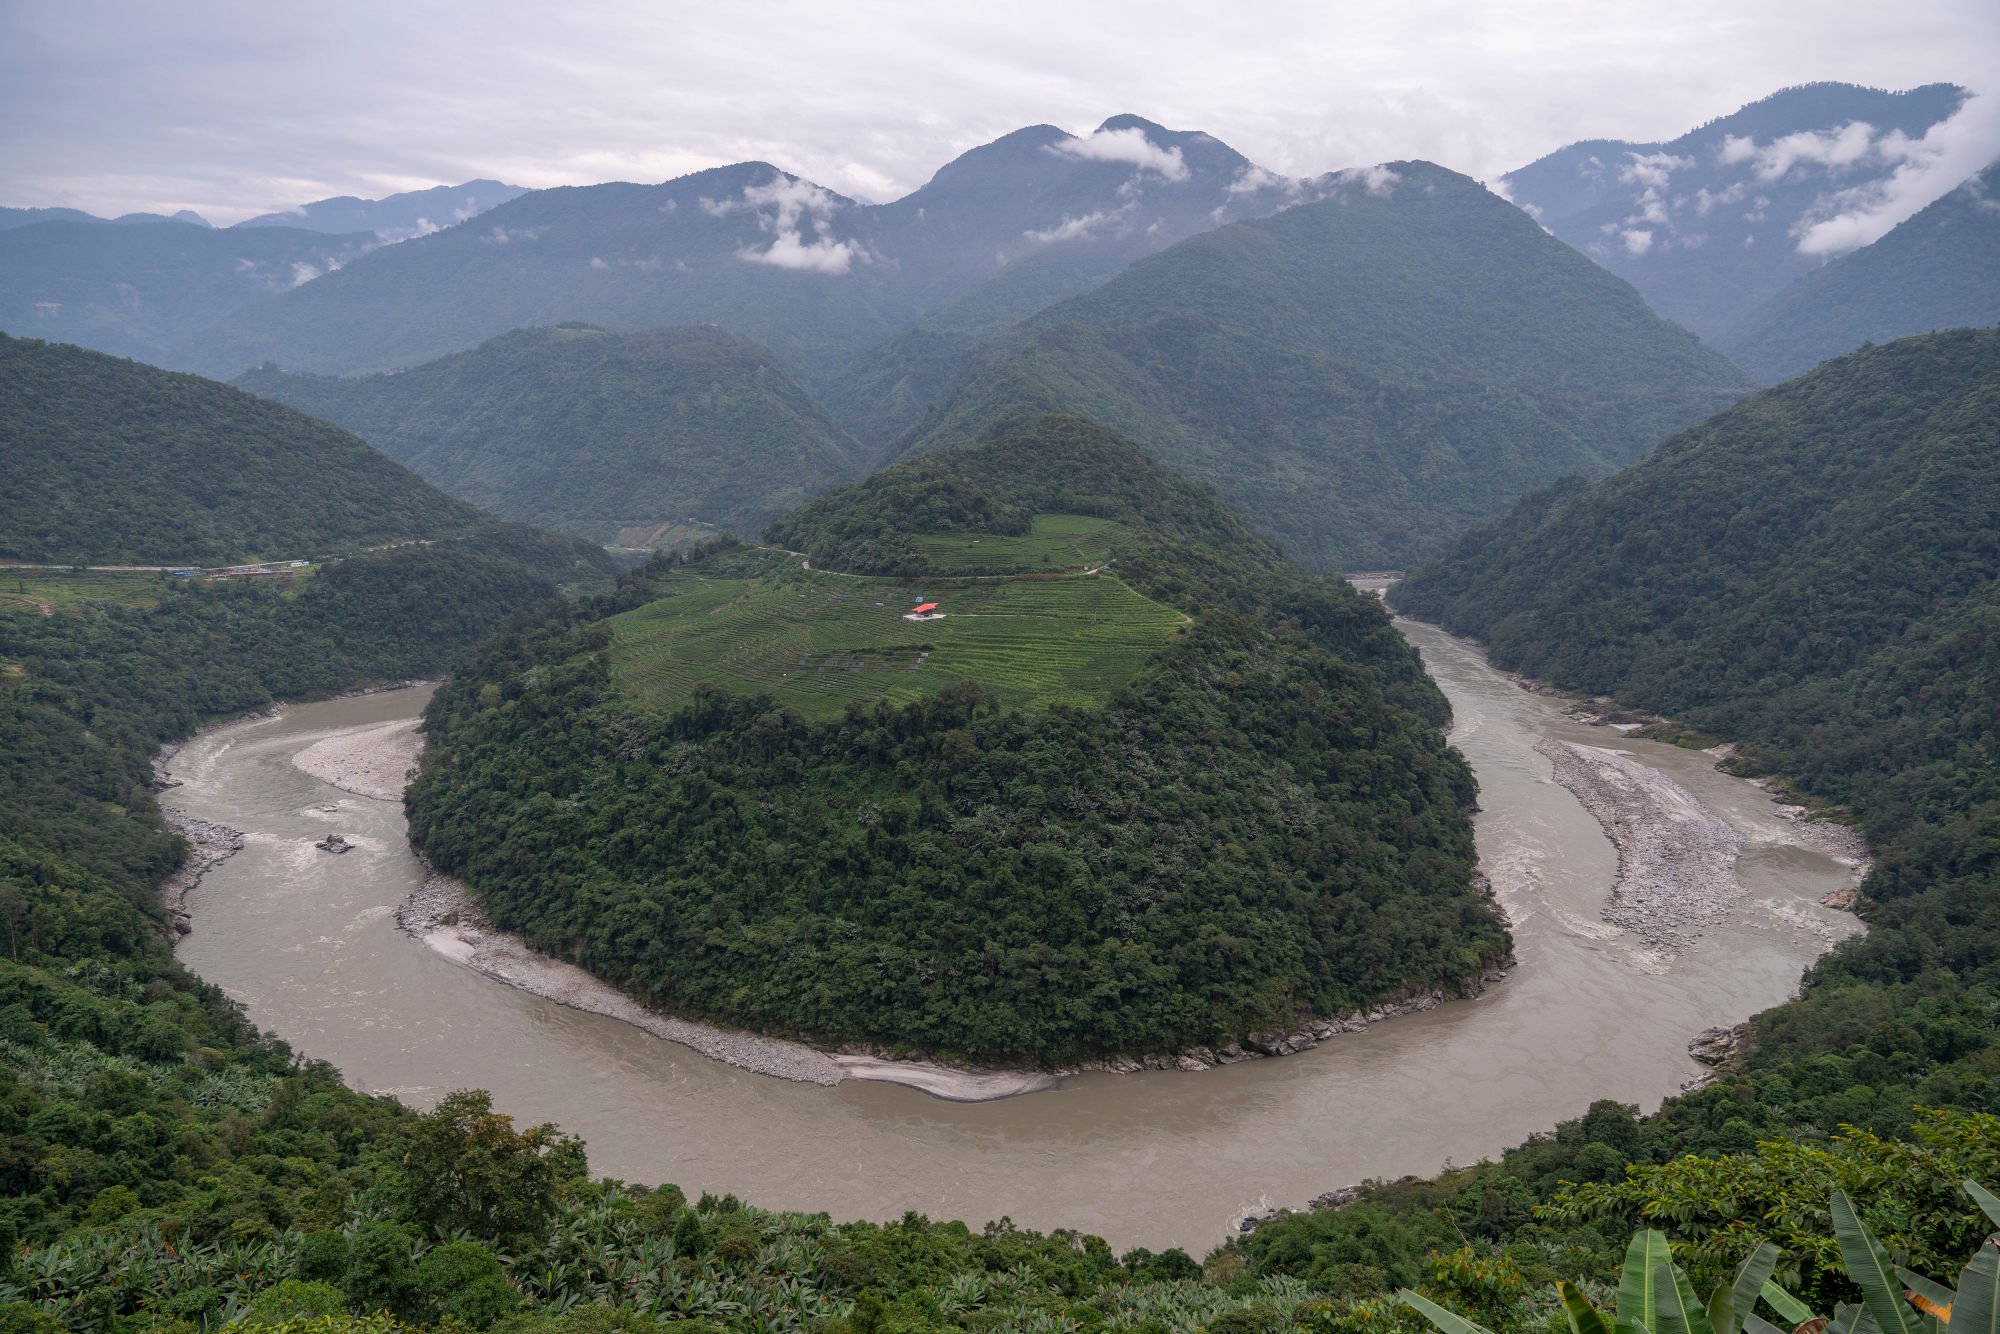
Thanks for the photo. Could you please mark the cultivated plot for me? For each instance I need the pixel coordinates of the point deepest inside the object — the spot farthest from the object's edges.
(817, 641)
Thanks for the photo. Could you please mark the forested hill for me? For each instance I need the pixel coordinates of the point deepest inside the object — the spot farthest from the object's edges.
(593, 432)
(1142, 789)
(1937, 270)
(1775, 571)
(112, 461)
(1363, 376)
(1816, 575)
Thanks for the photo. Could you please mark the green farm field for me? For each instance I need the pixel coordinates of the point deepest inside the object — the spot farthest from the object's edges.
(50, 591)
(1055, 542)
(816, 641)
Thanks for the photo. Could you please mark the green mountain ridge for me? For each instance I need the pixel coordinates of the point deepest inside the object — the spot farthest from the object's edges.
(591, 432)
(114, 461)
(1017, 860)
(817, 277)
(1362, 376)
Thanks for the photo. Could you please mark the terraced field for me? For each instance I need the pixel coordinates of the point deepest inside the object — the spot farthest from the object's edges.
(1055, 542)
(816, 641)
(48, 591)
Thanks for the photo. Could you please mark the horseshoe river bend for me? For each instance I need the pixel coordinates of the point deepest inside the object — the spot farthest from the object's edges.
(1601, 1005)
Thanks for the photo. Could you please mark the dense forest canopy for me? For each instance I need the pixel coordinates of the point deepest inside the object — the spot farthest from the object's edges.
(958, 877)
(1361, 376)
(111, 461)
(1810, 574)
(593, 432)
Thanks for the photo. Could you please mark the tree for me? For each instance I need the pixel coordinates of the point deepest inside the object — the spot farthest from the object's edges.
(470, 1171)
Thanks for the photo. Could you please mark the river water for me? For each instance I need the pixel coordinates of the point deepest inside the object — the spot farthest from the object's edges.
(307, 942)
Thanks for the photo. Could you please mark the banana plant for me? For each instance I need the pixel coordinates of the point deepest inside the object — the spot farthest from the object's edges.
(1655, 1297)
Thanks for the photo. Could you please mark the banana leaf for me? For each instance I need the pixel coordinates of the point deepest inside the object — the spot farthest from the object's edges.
(1583, 1317)
(1868, 1265)
(1977, 1307)
(1989, 1203)
(1638, 1287)
(1448, 1321)
(1731, 1303)
(1793, 1310)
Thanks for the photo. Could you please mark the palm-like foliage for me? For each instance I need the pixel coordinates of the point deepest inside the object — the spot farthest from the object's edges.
(1655, 1296)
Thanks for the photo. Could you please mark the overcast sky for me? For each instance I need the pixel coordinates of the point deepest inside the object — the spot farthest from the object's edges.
(236, 107)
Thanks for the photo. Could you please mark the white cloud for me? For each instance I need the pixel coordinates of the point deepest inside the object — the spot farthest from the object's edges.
(1651, 169)
(1949, 154)
(424, 227)
(1377, 180)
(1253, 179)
(788, 208)
(499, 235)
(1638, 242)
(1852, 143)
(1075, 229)
(1706, 199)
(1129, 145)
(1736, 148)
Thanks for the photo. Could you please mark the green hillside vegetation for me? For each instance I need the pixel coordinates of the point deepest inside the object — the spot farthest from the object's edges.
(587, 431)
(47, 591)
(817, 642)
(1811, 574)
(1937, 270)
(1009, 853)
(165, 1168)
(111, 461)
(1362, 376)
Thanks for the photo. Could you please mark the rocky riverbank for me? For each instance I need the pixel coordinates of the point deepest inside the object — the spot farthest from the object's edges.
(444, 917)
(1284, 1042)
(208, 845)
(1676, 858)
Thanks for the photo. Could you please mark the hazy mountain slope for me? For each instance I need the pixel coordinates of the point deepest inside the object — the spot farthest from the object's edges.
(136, 291)
(394, 217)
(590, 432)
(817, 278)
(110, 460)
(1813, 570)
(1708, 225)
(1238, 816)
(27, 217)
(1363, 375)
(1938, 270)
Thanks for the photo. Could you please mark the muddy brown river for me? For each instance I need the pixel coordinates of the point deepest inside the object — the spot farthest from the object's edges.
(306, 941)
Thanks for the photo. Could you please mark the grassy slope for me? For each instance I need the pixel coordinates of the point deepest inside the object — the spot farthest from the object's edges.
(816, 642)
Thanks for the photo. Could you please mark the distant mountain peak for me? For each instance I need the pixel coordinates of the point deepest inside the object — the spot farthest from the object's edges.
(1723, 216)
(1128, 121)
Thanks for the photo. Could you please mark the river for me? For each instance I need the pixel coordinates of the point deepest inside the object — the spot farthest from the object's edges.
(306, 941)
